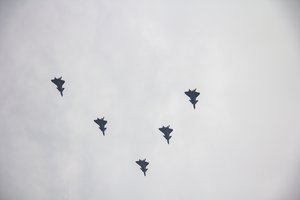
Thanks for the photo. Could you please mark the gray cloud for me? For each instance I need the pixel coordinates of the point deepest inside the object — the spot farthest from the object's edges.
(131, 62)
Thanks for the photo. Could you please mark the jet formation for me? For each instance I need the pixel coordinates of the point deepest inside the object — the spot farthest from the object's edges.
(101, 122)
(192, 94)
(166, 131)
(143, 164)
(59, 84)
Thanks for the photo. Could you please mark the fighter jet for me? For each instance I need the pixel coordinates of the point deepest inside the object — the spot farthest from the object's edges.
(193, 96)
(59, 83)
(166, 131)
(101, 122)
(143, 164)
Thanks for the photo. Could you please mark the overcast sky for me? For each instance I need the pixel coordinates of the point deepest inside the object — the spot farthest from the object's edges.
(131, 61)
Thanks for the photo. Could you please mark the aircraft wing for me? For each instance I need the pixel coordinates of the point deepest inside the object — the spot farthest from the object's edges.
(162, 129)
(104, 122)
(55, 81)
(138, 162)
(196, 94)
(189, 93)
(97, 121)
(169, 130)
(166, 130)
(100, 122)
(146, 163)
(58, 81)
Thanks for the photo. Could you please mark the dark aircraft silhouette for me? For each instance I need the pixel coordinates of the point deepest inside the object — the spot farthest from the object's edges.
(59, 83)
(193, 96)
(166, 131)
(101, 122)
(143, 164)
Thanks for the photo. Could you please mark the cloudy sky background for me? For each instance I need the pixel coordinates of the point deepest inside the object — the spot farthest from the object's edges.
(131, 61)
